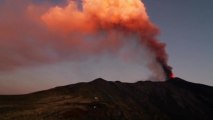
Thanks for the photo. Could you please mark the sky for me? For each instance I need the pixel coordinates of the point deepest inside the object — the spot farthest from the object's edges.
(185, 27)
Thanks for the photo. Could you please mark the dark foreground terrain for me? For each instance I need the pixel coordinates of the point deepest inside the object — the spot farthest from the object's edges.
(174, 99)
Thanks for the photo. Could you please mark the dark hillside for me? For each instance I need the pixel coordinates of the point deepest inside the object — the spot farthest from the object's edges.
(175, 99)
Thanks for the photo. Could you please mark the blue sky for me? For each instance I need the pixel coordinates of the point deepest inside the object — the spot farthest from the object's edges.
(187, 28)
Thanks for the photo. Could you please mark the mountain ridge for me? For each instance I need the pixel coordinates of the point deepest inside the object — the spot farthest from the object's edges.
(106, 100)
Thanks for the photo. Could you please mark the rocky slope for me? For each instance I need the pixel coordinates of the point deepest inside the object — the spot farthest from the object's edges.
(175, 99)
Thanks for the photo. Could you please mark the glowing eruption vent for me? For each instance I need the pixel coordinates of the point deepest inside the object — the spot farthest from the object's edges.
(121, 17)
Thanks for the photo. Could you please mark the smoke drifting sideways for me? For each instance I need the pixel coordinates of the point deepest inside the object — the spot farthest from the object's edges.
(78, 31)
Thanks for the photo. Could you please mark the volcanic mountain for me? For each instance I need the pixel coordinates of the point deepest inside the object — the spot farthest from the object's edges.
(175, 99)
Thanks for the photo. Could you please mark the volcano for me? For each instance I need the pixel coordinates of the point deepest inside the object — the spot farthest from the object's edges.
(174, 99)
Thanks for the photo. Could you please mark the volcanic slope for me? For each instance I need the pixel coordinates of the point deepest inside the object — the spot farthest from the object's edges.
(175, 99)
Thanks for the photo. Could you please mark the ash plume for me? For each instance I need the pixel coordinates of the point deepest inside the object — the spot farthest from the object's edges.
(122, 17)
(76, 31)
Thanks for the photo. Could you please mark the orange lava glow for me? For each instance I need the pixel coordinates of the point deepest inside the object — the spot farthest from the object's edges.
(172, 75)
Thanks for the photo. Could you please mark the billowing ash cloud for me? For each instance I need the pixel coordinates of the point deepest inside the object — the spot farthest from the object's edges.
(75, 32)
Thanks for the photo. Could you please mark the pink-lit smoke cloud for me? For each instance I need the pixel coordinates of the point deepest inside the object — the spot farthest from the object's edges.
(36, 35)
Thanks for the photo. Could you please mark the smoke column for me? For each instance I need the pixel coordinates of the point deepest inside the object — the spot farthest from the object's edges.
(78, 31)
(118, 18)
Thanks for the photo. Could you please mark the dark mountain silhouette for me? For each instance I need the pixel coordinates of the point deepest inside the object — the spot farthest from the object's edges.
(175, 99)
